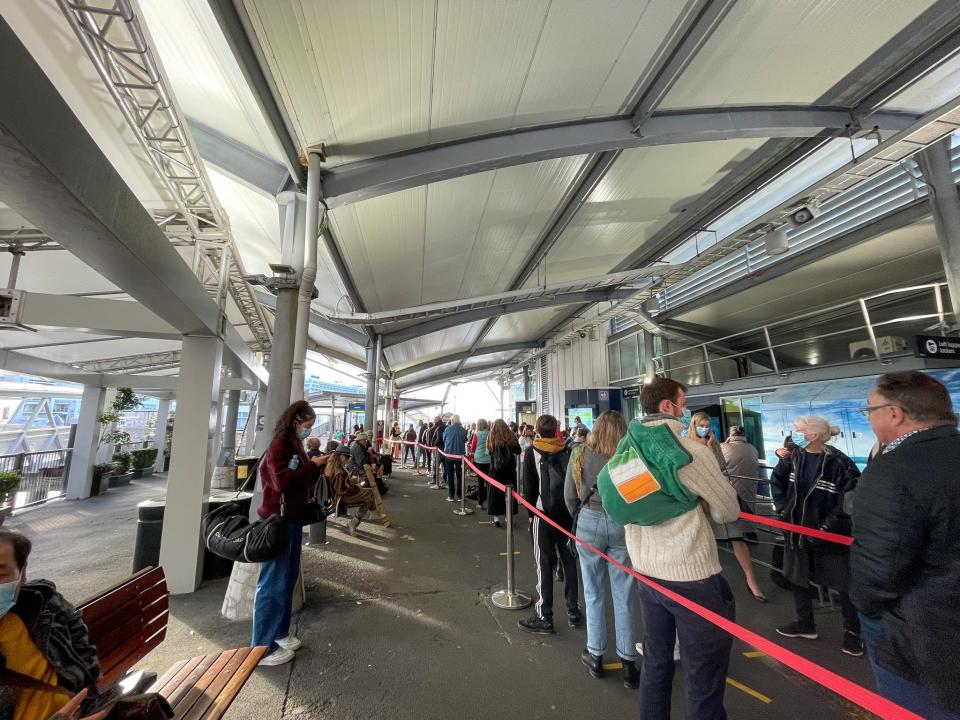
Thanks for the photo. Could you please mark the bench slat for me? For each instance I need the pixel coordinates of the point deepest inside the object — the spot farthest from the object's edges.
(94, 599)
(168, 676)
(204, 702)
(93, 610)
(190, 680)
(114, 666)
(188, 700)
(229, 693)
(109, 638)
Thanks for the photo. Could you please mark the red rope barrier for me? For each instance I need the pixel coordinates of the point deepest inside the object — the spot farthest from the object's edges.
(848, 689)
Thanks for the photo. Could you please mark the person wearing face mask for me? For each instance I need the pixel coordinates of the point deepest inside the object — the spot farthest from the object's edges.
(287, 475)
(731, 531)
(42, 639)
(809, 485)
(671, 541)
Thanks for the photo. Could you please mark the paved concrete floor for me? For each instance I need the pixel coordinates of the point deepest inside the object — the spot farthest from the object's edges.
(399, 625)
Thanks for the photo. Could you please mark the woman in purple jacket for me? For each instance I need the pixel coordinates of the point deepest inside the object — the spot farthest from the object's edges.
(287, 476)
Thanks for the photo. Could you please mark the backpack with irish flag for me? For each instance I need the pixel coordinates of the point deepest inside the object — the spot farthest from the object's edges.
(640, 485)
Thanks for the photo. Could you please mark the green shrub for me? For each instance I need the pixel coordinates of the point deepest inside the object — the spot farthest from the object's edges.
(9, 482)
(121, 463)
(142, 459)
(102, 469)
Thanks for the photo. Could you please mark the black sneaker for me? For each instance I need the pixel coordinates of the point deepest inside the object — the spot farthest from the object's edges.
(537, 625)
(575, 618)
(852, 643)
(796, 630)
(593, 663)
(631, 675)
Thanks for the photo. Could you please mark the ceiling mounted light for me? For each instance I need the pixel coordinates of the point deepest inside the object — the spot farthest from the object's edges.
(776, 242)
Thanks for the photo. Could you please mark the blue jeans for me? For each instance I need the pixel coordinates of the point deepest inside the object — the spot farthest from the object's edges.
(596, 528)
(273, 601)
(453, 474)
(705, 648)
(895, 688)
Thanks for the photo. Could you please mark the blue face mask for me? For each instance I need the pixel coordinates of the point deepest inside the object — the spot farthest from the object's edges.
(799, 439)
(8, 595)
(703, 431)
(304, 434)
(684, 417)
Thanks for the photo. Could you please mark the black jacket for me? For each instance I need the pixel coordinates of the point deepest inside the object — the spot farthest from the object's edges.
(905, 560)
(547, 484)
(58, 632)
(436, 435)
(822, 507)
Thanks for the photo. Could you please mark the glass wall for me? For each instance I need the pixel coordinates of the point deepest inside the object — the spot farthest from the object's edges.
(625, 359)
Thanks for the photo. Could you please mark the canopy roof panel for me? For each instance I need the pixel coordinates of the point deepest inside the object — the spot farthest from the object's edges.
(390, 76)
(782, 53)
(459, 238)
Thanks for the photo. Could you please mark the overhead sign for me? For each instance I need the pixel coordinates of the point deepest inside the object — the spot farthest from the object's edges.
(357, 407)
(604, 395)
(631, 391)
(937, 346)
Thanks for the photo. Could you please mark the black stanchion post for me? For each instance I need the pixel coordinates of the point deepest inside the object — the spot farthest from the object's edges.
(463, 509)
(510, 599)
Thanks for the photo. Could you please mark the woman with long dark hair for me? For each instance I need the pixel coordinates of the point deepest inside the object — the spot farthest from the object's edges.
(287, 476)
(503, 449)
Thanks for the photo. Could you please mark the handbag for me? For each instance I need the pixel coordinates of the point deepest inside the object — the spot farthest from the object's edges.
(228, 532)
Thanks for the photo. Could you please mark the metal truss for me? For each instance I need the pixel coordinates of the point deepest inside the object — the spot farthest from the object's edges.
(112, 36)
(21, 240)
(133, 363)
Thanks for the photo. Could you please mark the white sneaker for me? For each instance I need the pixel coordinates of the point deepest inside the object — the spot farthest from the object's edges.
(280, 656)
(290, 642)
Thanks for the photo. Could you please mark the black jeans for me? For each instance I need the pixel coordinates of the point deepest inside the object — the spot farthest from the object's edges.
(804, 606)
(704, 648)
(481, 483)
(425, 456)
(453, 474)
(410, 450)
(548, 542)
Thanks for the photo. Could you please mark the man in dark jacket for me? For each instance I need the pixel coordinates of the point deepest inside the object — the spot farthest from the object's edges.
(904, 561)
(435, 440)
(41, 637)
(544, 476)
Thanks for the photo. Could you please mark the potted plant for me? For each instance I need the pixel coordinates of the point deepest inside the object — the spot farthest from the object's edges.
(142, 462)
(112, 435)
(167, 443)
(121, 469)
(9, 482)
(101, 478)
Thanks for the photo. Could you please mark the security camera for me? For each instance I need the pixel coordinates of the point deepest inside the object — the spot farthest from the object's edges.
(582, 334)
(802, 214)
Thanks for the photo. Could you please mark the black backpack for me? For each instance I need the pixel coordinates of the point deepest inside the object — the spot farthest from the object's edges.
(228, 533)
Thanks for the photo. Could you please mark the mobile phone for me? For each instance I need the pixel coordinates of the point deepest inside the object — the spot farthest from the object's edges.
(788, 443)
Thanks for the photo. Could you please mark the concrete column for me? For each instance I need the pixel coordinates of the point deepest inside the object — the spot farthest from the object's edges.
(308, 275)
(945, 206)
(160, 438)
(188, 485)
(218, 424)
(228, 449)
(373, 372)
(649, 367)
(85, 443)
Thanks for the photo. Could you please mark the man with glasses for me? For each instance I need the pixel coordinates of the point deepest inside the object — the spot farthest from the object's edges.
(905, 560)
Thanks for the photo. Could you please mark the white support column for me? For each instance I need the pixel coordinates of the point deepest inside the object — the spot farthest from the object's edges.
(85, 443)
(198, 392)
(250, 436)
(160, 438)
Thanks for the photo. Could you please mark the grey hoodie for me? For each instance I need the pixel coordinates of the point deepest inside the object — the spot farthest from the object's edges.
(593, 463)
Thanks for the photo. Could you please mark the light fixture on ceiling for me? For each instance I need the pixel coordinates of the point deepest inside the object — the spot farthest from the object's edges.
(776, 242)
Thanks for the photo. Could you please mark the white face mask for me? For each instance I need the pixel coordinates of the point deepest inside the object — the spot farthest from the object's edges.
(8, 595)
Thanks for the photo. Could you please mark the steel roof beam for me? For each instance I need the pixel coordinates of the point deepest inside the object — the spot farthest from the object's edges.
(92, 315)
(243, 163)
(345, 331)
(463, 318)
(451, 375)
(54, 174)
(465, 355)
(366, 179)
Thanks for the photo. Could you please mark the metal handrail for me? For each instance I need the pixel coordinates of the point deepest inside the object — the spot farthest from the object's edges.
(770, 347)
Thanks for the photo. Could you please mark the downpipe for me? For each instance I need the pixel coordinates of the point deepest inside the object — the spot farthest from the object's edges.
(314, 227)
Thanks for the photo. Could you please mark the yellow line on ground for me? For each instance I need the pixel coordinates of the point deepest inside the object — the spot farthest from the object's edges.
(754, 654)
(613, 666)
(749, 691)
(515, 552)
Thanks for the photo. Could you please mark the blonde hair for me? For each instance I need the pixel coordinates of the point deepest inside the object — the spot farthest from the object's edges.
(608, 431)
(818, 425)
(695, 420)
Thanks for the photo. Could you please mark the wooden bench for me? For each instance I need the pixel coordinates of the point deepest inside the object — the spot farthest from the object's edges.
(129, 620)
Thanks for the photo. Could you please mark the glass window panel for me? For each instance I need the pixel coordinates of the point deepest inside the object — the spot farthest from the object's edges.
(613, 361)
(629, 357)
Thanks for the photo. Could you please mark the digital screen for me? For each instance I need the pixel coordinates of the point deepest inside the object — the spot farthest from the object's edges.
(585, 415)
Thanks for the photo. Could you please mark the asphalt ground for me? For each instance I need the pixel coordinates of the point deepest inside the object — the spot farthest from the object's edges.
(398, 622)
